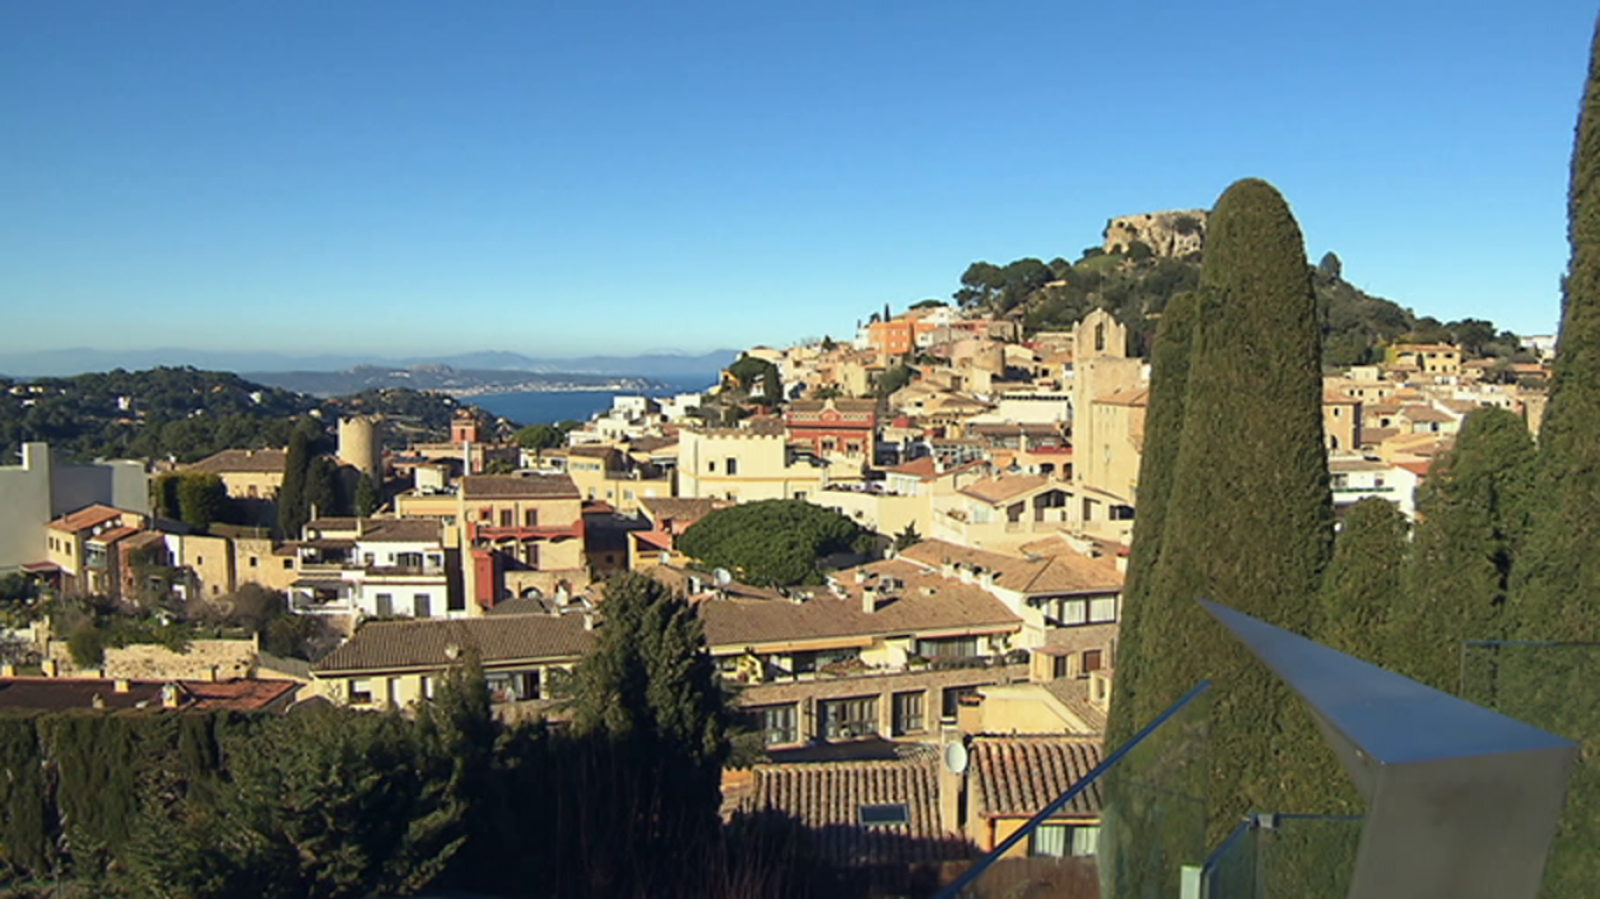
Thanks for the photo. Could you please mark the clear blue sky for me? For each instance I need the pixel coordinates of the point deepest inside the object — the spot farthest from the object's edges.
(560, 178)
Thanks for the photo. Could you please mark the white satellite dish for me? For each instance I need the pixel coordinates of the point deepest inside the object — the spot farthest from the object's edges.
(955, 758)
(723, 576)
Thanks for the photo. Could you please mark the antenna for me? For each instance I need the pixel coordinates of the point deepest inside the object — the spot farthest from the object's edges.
(955, 758)
(722, 576)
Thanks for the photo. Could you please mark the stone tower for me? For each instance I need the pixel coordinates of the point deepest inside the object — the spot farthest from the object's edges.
(361, 445)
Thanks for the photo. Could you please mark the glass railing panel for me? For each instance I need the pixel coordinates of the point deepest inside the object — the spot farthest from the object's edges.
(1556, 687)
(1151, 822)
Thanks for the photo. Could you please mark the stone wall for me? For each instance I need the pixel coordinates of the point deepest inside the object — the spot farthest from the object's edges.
(205, 660)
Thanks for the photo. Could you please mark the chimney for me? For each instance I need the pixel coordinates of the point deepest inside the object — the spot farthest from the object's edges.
(120, 685)
(169, 696)
(52, 668)
(588, 620)
(947, 568)
(861, 575)
(97, 701)
(869, 600)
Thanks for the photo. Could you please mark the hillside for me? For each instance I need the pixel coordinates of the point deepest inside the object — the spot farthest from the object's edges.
(186, 414)
(1136, 283)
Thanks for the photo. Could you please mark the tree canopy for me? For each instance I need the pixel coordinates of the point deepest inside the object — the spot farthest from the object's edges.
(775, 542)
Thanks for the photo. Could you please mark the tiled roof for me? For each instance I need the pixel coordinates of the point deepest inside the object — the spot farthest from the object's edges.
(490, 486)
(1000, 489)
(401, 530)
(239, 694)
(1060, 573)
(826, 797)
(85, 518)
(1426, 414)
(924, 603)
(1018, 776)
(923, 467)
(382, 645)
(111, 536)
(651, 444)
(1073, 692)
(684, 510)
(236, 461)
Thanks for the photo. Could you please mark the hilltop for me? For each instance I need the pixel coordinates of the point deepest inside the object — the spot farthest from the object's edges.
(1134, 280)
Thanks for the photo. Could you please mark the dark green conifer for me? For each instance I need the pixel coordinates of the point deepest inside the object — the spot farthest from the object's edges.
(1364, 581)
(292, 510)
(1472, 519)
(1558, 581)
(1249, 517)
(1163, 428)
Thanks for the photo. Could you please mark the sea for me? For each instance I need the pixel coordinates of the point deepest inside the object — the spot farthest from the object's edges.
(552, 406)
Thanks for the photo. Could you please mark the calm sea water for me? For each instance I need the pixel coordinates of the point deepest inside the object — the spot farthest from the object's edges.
(549, 407)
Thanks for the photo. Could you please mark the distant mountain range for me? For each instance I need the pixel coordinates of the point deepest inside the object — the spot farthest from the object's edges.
(57, 363)
(461, 382)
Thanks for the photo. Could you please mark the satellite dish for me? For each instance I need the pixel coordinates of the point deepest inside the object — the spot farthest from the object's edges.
(723, 577)
(955, 758)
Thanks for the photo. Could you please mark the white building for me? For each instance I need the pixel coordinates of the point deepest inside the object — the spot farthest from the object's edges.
(40, 489)
(358, 568)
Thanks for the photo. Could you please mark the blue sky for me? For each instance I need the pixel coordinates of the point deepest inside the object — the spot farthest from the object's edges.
(562, 178)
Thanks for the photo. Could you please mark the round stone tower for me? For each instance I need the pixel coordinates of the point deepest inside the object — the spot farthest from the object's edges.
(361, 445)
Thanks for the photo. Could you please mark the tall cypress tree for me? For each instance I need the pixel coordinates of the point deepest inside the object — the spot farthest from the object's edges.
(292, 509)
(1249, 518)
(1558, 581)
(1364, 581)
(1169, 384)
(1472, 519)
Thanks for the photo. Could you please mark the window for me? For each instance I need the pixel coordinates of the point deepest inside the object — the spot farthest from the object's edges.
(776, 724)
(530, 518)
(254, 561)
(1091, 660)
(846, 719)
(360, 691)
(951, 700)
(883, 815)
(288, 564)
(800, 494)
(1062, 840)
(1102, 609)
(409, 560)
(711, 466)
(385, 603)
(908, 713)
(198, 560)
(948, 648)
(422, 605)
(731, 466)
(507, 517)
(428, 681)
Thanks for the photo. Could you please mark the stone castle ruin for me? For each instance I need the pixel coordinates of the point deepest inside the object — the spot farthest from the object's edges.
(1172, 234)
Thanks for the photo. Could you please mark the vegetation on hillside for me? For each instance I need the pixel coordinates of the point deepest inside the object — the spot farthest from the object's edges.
(1136, 286)
(186, 414)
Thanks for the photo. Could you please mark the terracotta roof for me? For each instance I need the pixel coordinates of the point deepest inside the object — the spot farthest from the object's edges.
(923, 467)
(684, 510)
(826, 797)
(841, 405)
(1073, 692)
(382, 645)
(911, 608)
(999, 489)
(1060, 573)
(111, 536)
(651, 540)
(492, 486)
(1018, 776)
(401, 530)
(593, 452)
(651, 444)
(235, 461)
(1334, 398)
(84, 519)
(239, 694)
(1425, 414)
(1377, 435)
(1420, 469)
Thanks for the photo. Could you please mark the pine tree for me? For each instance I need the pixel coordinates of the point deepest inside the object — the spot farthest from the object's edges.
(1249, 518)
(1472, 520)
(1163, 428)
(1364, 581)
(321, 494)
(1558, 581)
(367, 498)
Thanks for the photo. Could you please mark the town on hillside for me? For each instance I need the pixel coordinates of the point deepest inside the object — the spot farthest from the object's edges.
(905, 552)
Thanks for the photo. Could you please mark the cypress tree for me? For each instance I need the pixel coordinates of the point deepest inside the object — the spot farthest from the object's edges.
(292, 510)
(1558, 582)
(1169, 383)
(1249, 517)
(1473, 517)
(1364, 581)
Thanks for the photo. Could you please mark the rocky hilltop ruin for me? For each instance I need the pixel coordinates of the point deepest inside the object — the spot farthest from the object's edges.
(1174, 234)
